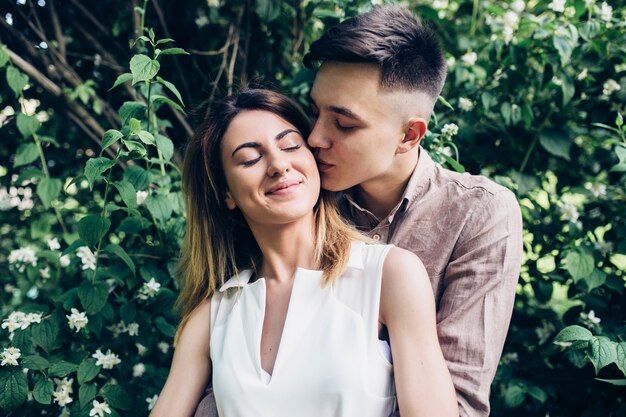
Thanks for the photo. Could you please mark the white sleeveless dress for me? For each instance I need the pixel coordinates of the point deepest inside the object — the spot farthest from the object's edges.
(329, 360)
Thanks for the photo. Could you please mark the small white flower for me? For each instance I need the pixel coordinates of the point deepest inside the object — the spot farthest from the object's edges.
(446, 151)
(64, 260)
(163, 347)
(41, 3)
(64, 384)
(107, 361)
(597, 189)
(33, 293)
(65, 412)
(213, 3)
(9, 19)
(557, 5)
(141, 197)
(54, 244)
(62, 397)
(449, 130)
(556, 80)
(29, 106)
(45, 273)
(590, 318)
(152, 401)
(99, 409)
(510, 357)
(133, 329)
(469, 58)
(604, 246)
(544, 332)
(87, 258)
(466, 104)
(141, 349)
(518, 6)
(570, 213)
(149, 289)
(23, 256)
(606, 12)
(10, 356)
(138, 370)
(21, 2)
(583, 74)
(609, 87)
(77, 320)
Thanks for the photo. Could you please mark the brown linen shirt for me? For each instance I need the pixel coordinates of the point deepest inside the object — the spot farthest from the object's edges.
(467, 230)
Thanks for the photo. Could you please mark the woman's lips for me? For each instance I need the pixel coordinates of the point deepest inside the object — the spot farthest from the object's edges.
(284, 188)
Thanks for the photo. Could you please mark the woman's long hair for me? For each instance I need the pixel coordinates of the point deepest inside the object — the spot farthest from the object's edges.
(218, 242)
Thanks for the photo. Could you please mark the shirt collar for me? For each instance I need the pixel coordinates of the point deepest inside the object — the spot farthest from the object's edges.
(355, 261)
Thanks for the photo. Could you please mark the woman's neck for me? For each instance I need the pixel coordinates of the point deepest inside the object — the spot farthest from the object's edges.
(285, 248)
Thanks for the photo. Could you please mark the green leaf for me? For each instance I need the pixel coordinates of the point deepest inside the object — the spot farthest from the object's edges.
(618, 382)
(4, 57)
(122, 79)
(514, 396)
(45, 333)
(164, 40)
(35, 363)
(27, 125)
(143, 68)
(26, 153)
(567, 87)
(538, 394)
(88, 370)
(620, 360)
(110, 137)
(146, 137)
(16, 80)
(92, 228)
(13, 388)
(621, 154)
(127, 192)
(603, 352)
(162, 99)
(116, 396)
(62, 368)
(453, 163)
(121, 253)
(137, 176)
(130, 225)
(166, 146)
(579, 264)
(159, 206)
(86, 393)
(505, 111)
(95, 167)
(267, 10)
(132, 109)
(172, 88)
(134, 125)
(128, 312)
(165, 328)
(596, 279)
(564, 48)
(93, 296)
(573, 333)
(48, 190)
(556, 142)
(174, 51)
(42, 392)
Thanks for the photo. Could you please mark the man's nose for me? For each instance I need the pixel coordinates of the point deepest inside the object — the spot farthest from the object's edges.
(318, 138)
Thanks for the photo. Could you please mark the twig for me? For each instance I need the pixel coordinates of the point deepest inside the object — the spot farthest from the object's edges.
(58, 34)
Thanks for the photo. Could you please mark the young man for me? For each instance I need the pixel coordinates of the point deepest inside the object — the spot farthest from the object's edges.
(381, 73)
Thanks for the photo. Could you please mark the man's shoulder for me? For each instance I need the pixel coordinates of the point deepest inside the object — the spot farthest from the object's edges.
(468, 183)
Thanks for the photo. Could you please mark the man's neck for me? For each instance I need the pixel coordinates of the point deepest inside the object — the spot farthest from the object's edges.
(381, 196)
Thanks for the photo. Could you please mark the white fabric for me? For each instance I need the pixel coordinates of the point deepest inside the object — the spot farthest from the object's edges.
(329, 361)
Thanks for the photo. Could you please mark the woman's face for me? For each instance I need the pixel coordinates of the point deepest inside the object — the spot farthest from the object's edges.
(270, 172)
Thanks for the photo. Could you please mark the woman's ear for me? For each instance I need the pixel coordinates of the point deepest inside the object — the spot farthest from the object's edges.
(230, 202)
(415, 131)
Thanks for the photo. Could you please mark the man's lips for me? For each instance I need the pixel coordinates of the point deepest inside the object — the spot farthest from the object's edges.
(284, 187)
(323, 166)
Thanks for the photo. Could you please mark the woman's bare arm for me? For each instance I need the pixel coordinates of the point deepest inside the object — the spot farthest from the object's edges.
(423, 384)
(191, 367)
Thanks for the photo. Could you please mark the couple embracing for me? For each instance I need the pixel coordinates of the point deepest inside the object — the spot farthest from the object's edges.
(333, 268)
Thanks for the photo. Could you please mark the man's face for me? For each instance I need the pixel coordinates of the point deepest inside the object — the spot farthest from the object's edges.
(358, 127)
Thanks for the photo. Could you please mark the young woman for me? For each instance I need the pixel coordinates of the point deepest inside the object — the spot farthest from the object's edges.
(295, 329)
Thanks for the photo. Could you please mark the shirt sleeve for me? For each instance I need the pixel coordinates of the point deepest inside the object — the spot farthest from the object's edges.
(477, 299)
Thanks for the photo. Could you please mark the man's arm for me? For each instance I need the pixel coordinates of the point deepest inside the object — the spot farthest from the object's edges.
(477, 300)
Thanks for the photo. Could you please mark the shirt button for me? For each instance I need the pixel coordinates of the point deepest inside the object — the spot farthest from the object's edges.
(376, 237)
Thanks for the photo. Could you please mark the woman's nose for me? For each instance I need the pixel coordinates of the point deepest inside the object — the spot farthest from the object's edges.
(278, 165)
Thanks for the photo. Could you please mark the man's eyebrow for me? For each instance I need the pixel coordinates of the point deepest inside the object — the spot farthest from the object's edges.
(258, 145)
(345, 112)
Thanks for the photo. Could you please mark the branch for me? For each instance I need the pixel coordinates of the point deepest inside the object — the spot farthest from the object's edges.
(58, 34)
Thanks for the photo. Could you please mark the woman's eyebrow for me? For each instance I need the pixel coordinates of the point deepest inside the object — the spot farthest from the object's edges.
(258, 145)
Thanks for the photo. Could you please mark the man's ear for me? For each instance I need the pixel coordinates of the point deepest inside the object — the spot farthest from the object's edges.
(415, 131)
(230, 202)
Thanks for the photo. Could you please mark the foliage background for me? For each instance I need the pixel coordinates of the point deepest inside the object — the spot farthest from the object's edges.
(537, 90)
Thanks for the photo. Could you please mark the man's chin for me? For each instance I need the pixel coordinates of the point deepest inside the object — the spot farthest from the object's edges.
(333, 186)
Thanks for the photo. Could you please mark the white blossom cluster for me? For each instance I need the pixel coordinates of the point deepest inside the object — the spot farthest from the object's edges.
(16, 197)
(149, 289)
(569, 212)
(77, 320)
(164, 347)
(63, 391)
(99, 409)
(10, 356)
(609, 87)
(106, 360)
(139, 369)
(590, 319)
(141, 197)
(605, 11)
(19, 320)
(469, 58)
(449, 130)
(87, 258)
(466, 104)
(117, 329)
(22, 257)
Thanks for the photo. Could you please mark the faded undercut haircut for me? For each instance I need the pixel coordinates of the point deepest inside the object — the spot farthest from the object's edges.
(406, 50)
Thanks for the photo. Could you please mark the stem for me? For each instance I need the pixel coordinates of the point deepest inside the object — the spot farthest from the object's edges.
(474, 18)
(143, 16)
(528, 153)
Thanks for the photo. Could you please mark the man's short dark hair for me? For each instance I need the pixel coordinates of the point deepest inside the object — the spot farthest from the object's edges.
(406, 50)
